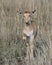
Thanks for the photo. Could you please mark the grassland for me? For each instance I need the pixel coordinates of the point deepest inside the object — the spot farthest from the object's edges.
(12, 49)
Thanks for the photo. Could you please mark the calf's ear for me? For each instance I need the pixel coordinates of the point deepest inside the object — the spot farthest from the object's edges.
(33, 11)
(20, 12)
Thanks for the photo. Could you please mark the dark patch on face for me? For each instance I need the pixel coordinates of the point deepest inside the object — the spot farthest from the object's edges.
(27, 23)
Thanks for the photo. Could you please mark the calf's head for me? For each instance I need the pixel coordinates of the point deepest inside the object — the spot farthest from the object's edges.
(26, 14)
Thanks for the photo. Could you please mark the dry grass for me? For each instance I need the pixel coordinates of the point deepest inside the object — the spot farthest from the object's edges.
(12, 49)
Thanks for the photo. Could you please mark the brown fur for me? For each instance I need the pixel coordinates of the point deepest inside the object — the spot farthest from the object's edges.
(29, 32)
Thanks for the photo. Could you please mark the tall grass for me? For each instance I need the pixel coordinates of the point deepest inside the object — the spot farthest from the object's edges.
(12, 48)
